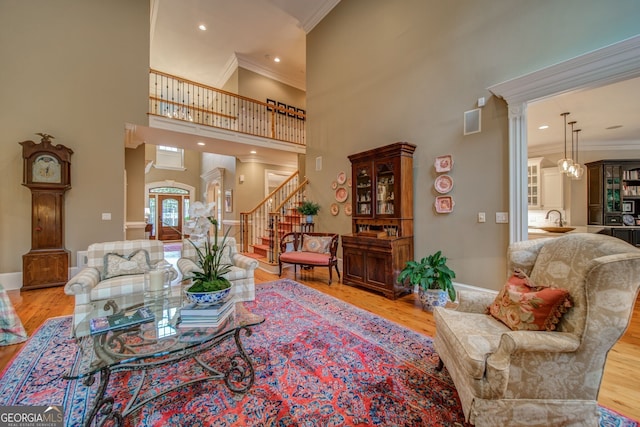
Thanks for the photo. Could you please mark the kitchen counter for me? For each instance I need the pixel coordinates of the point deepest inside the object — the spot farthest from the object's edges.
(537, 233)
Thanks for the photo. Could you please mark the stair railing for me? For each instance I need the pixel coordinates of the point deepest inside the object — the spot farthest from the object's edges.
(257, 224)
(293, 222)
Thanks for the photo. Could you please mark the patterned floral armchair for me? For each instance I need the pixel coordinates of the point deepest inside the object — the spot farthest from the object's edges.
(521, 377)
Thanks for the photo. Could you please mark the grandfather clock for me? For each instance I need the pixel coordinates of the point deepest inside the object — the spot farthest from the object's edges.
(47, 173)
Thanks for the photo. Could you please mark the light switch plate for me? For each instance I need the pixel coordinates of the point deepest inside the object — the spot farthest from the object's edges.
(106, 216)
(482, 217)
(502, 217)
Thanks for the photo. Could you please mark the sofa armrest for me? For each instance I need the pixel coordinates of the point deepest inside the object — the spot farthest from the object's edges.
(244, 262)
(83, 282)
(538, 342)
(187, 267)
(474, 301)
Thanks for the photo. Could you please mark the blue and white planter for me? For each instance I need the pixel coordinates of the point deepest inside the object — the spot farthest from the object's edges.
(432, 298)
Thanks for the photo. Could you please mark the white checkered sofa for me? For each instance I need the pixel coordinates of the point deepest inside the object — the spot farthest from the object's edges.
(241, 274)
(89, 285)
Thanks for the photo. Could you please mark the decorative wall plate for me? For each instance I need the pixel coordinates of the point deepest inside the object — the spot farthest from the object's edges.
(342, 177)
(443, 184)
(348, 182)
(628, 219)
(348, 209)
(334, 209)
(444, 204)
(444, 163)
(341, 194)
(334, 185)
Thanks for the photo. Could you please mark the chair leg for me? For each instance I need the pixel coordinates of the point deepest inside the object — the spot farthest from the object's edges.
(440, 364)
(337, 271)
(280, 269)
(330, 278)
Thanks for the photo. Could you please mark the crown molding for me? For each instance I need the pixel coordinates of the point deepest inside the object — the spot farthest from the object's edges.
(230, 67)
(318, 15)
(610, 64)
(250, 64)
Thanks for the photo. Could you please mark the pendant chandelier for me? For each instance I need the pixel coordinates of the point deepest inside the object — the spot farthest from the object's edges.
(578, 170)
(569, 165)
(565, 163)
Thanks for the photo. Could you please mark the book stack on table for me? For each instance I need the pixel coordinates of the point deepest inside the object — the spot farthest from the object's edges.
(193, 316)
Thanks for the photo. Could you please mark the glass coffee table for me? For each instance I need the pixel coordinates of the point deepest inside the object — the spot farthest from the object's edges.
(153, 344)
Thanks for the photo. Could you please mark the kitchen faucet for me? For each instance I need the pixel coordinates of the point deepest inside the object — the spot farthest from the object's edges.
(560, 221)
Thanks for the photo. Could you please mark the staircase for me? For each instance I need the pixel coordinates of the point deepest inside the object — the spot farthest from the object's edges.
(263, 226)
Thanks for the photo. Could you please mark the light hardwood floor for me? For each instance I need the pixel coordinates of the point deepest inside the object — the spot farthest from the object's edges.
(620, 388)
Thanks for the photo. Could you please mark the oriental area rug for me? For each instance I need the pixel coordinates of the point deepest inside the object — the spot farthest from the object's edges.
(318, 362)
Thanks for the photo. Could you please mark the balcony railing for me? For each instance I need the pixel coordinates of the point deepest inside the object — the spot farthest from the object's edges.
(181, 99)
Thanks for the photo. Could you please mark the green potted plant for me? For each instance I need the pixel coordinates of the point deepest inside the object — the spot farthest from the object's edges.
(434, 280)
(309, 209)
(208, 285)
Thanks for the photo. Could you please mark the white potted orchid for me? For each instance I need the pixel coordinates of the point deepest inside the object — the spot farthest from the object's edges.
(209, 285)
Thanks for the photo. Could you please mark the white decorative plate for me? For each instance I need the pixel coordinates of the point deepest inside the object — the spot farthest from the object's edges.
(334, 209)
(341, 194)
(342, 177)
(348, 182)
(444, 204)
(443, 184)
(348, 209)
(444, 163)
(334, 185)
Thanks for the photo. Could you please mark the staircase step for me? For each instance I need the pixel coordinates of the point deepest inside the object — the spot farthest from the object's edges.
(261, 250)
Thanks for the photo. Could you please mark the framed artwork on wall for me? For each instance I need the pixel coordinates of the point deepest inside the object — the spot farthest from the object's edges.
(301, 111)
(228, 201)
(284, 107)
(270, 102)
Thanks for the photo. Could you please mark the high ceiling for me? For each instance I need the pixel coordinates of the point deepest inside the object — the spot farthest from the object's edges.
(246, 33)
(251, 33)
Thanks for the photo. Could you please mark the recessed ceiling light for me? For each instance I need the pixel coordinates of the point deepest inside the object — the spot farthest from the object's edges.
(201, 143)
(202, 27)
(543, 127)
(253, 151)
(276, 59)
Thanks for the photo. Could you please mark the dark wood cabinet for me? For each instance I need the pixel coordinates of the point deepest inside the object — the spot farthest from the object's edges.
(614, 191)
(613, 198)
(382, 226)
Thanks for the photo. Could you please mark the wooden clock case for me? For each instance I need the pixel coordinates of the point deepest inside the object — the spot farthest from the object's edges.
(47, 263)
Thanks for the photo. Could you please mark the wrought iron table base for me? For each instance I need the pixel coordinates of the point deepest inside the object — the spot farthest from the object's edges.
(238, 378)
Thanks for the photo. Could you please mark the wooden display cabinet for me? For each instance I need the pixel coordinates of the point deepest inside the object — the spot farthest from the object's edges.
(382, 226)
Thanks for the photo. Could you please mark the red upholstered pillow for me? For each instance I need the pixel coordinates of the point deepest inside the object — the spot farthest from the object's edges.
(523, 307)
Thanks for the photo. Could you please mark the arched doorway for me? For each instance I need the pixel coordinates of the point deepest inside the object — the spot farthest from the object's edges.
(168, 206)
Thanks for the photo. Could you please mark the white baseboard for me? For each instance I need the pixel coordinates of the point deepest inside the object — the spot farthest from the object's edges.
(462, 286)
(11, 281)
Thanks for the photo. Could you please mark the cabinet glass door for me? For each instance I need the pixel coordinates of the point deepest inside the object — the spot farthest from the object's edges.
(363, 200)
(533, 173)
(612, 187)
(385, 188)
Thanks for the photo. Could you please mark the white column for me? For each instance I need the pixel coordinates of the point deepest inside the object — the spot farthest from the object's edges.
(518, 210)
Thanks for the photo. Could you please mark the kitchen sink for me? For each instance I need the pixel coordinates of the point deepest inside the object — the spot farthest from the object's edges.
(557, 229)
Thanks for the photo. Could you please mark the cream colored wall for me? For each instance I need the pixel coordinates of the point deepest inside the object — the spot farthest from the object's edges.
(189, 176)
(134, 171)
(256, 86)
(77, 70)
(380, 72)
(251, 191)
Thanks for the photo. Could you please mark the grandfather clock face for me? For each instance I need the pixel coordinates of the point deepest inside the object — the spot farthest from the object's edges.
(47, 169)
